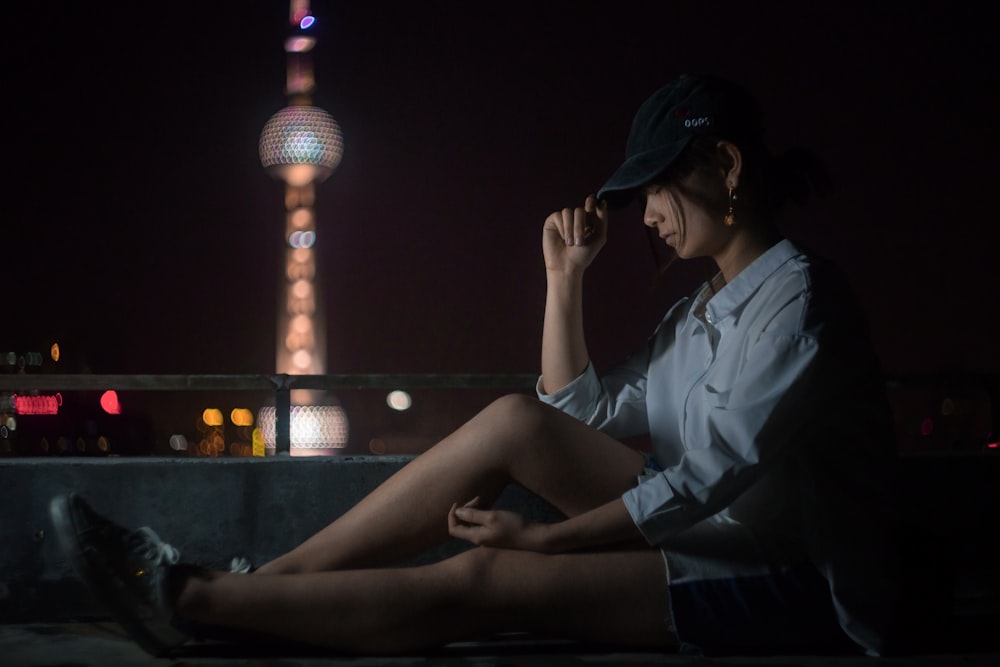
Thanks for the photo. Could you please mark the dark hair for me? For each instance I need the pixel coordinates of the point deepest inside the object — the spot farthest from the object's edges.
(795, 175)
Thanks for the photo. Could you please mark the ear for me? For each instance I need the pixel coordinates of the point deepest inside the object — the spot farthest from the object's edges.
(730, 161)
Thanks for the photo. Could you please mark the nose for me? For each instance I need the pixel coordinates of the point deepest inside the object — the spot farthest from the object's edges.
(650, 217)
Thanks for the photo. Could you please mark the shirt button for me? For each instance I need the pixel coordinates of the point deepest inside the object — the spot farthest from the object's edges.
(709, 318)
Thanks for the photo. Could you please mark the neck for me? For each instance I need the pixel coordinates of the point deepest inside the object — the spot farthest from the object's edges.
(743, 248)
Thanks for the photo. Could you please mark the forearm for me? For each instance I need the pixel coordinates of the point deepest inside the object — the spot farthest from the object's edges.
(607, 525)
(604, 526)
(564, 348)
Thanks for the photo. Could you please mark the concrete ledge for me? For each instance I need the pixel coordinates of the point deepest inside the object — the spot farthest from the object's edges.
(211, 509)
(215, 509)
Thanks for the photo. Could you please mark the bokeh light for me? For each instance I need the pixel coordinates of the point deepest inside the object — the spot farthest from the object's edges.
(299, 44)
(110, 402)
(302, 359)
(312, 427)
(399, 400)
(301, 218)
(302, 289)
(37, 405)
(212, 417)
(241, 417)
(302, 239)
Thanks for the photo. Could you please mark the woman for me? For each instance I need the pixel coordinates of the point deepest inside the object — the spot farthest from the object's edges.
(754, 526)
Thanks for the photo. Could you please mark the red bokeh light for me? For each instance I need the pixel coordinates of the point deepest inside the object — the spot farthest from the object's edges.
(110, 403)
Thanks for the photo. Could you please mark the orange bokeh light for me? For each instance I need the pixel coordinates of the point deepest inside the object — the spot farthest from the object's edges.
(212, 417)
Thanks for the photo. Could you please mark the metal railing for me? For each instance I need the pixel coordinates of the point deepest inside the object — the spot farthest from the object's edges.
(281, 384)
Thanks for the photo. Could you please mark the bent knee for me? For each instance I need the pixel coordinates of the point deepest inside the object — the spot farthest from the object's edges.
(471, 570)
(522, 412)
(515, 404)
(514, 428)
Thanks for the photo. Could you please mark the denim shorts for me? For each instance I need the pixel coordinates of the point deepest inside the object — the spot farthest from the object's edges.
(786, 611)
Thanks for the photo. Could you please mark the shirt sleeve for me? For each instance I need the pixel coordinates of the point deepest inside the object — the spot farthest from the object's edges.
(614, 403)
(746, 427)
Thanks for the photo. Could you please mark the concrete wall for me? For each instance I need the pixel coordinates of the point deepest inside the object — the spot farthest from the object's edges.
(215, 509)
(211, 509)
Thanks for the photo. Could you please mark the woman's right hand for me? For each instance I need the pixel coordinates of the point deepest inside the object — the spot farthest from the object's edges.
(572, 237)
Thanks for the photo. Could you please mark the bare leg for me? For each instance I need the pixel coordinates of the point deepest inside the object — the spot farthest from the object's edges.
(615, 597)
(515, 439)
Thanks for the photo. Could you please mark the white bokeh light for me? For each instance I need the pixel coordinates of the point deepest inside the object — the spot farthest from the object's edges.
(302, 359)
(312, 427)
(399, 400)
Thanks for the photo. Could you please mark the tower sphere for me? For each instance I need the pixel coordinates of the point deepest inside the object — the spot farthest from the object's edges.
(300, 144)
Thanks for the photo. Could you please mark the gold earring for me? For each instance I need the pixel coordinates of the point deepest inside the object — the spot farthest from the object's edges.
(730, 219)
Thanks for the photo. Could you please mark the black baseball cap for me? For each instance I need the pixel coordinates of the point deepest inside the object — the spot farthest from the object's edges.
(670, 118)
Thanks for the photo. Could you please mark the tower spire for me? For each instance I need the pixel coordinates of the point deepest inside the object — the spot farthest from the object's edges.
(302, 145)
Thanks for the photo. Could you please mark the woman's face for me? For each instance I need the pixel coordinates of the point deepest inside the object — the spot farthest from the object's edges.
(688, 213)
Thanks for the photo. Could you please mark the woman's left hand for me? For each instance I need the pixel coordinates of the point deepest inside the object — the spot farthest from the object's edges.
(495, 528)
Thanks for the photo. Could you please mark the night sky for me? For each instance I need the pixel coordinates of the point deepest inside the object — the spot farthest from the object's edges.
(141, 232)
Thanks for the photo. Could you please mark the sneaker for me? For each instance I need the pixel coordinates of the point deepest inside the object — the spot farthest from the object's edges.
(126, 569)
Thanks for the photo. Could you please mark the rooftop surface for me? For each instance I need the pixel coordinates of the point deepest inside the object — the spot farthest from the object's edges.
(100, 644)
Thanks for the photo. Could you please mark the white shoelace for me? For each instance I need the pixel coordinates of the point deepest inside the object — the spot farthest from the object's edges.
(149, 545)
(240, 565)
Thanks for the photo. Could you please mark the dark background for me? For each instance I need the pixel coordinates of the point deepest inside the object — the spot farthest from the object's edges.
(140, 231)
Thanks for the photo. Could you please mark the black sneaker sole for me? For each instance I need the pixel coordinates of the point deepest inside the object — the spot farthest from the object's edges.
(62, 513)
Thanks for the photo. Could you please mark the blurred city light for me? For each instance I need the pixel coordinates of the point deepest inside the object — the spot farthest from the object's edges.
(399, 400)
(313, 428)
(212, 417)
(37, 405)
(110, 402)
(299, 44)
(241, 417)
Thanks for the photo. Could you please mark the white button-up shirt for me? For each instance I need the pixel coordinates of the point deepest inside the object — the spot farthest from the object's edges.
(766, 410)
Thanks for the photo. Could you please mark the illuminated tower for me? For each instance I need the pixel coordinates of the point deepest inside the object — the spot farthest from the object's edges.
(301, 145)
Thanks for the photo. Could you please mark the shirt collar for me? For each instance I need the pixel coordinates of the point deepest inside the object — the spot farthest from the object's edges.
(734, 294)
